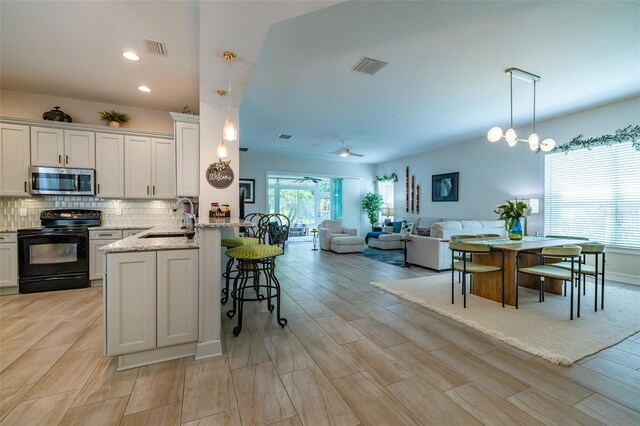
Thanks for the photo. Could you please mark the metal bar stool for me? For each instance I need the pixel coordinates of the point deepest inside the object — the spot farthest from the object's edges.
(253, 261)
(251, 235)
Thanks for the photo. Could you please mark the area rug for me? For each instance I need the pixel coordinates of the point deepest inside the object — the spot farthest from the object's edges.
(392, 257)
(542, 329)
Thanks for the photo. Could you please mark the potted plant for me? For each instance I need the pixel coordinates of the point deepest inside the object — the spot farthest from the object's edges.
(114, 118)
(372, 204)
(511, 212)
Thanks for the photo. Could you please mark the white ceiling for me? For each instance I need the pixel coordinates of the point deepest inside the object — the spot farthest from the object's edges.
(74, 49)
(444, 82)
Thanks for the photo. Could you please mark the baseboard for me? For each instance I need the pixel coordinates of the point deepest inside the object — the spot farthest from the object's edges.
(623, 278)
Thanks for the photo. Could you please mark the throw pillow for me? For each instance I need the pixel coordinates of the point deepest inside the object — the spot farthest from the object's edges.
(397, 226)
(423, 232)
(407, 228)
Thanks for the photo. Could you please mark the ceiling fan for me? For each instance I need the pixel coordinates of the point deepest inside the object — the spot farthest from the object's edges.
(345, 151)
(307, 178)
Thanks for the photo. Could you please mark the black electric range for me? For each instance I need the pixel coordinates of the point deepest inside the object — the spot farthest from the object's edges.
(56, 255)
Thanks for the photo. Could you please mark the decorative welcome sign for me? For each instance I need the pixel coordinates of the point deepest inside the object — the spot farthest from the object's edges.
(220, 175)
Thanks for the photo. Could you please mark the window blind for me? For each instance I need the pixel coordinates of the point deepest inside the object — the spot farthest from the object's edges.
(594, 193)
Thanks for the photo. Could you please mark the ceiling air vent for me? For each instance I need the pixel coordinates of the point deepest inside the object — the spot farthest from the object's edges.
(368, 66)
(283, 136)
(156, 47)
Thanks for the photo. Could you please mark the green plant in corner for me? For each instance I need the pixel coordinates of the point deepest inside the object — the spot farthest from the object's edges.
(114, 117)
(372, 204)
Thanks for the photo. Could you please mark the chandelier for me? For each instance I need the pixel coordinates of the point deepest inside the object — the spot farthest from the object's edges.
(495, 133)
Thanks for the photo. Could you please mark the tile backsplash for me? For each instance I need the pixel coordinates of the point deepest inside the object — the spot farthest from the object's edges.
(142, 213)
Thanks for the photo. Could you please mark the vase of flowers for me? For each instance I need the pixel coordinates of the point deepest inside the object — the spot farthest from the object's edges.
(511, 212)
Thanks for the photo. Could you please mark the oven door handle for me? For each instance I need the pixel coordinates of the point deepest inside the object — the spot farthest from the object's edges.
(77, 183)
(49, 234)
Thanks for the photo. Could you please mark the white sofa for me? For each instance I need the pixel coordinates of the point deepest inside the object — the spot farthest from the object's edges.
(391, 241)
(433, 251)
(333, 228)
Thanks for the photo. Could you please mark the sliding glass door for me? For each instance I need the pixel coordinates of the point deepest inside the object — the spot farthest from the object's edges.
(304, 200)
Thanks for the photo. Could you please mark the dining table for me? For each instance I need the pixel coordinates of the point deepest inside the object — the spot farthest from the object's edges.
(489, 285)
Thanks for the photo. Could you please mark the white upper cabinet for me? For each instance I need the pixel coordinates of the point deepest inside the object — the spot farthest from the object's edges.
(137, 167)
(163, 168)
(47, 147)
(79, 149)
(63, 148)
(109, 165)
(187, 159)
(14, 160)
(150, 168)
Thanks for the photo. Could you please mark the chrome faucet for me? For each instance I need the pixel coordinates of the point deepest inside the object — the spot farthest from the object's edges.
(189, 218)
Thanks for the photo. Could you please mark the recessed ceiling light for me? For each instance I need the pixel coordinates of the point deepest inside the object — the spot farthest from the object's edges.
(144, 89)
(131, 56)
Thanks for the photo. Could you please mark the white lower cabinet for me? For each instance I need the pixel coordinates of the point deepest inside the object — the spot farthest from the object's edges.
(151, 300)
(131, 302)
(177, 297)
(99, 239)
(8, 262)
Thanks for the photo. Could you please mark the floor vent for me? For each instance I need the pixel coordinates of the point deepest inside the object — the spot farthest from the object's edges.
(283, 136)
(368, 66)
(156, 47)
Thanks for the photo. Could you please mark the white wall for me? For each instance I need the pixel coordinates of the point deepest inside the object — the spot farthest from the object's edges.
(492, 172)
(32, 105)
(212, 118)
(257, 165)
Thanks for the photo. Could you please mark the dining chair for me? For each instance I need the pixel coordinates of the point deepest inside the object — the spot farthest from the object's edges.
(458, 238)
(595, 270)
(465, 265)
(568, 253)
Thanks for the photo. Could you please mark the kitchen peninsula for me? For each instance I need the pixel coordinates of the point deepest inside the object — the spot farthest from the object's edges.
(162, 294)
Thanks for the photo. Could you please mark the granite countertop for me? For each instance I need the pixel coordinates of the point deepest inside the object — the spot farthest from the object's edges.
(8, 230)
(139, 243)
(213, 222)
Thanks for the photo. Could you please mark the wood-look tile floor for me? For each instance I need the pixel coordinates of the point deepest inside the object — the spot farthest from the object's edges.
(351, 354)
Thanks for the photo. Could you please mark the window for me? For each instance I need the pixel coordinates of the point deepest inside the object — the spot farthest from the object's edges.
(594, 193)
(386, 190)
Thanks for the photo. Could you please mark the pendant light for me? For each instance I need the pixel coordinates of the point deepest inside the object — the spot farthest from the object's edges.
(221, 150)
(495, 133)
(230, 131)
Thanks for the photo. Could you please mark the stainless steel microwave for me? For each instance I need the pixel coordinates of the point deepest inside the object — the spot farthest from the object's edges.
(60, 181)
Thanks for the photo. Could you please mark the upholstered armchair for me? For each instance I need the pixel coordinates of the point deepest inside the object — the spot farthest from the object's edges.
(332, 228)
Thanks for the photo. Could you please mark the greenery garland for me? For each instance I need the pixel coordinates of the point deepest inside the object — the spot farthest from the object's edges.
(628, 134)
(392, 178)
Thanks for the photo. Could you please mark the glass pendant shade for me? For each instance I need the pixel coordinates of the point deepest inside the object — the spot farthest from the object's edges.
(230, 132)
(533, 141)
(221, 151)
(511, 137)
(547, 145)
(494, 135)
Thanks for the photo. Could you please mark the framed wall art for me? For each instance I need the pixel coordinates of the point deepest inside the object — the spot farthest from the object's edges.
(249, 187)
(444, 187)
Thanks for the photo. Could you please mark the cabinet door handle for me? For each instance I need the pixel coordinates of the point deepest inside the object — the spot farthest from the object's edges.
(154, 190)
(59, 158)
(1, 238)
(105, 235)
(98, 189)
(25, 186)
(66, 159)
(147, 189)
